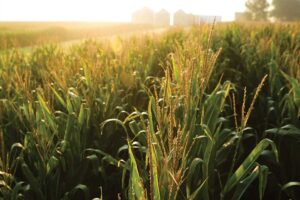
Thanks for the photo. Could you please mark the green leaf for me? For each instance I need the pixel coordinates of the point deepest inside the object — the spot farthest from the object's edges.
(154, 172)
(248, 164)
(82, 116)
(32, 181)
(263, 178)
(117, 121)
(43, 103)
(52, 163)
(175, 70)
(191, 172)
(290, 184)
(287, 130)
(80, 189)
(244, 184)
(59, 98)
(87, 76)
(18, 189)
(213, 106)
(47, 114)
(198, 190)
(295, 88)
(151, 124)
(108, 158)
(135, 179)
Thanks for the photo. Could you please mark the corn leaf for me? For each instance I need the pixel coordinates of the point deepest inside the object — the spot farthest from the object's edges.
(248, 164)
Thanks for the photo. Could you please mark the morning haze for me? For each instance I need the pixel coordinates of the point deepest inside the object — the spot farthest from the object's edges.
(149, 100)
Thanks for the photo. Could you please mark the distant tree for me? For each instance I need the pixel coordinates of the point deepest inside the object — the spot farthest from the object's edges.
(286, 10)
(257, 9)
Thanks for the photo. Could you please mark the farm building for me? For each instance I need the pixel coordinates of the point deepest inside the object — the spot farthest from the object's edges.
(143, 16)
(183, 19)
(162, 18)
(209, 18)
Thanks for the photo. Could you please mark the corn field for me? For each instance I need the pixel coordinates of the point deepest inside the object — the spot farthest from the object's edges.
(210, 112)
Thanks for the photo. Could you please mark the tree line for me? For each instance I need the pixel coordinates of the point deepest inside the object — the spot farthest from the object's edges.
(280, 10)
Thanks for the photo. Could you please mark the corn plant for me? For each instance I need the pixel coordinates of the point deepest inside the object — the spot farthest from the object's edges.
(184, 134)
(186, 114)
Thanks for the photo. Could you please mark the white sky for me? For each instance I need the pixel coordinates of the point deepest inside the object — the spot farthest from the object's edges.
(109, 10)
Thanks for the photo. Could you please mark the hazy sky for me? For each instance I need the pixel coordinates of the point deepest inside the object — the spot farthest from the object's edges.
(109, 10)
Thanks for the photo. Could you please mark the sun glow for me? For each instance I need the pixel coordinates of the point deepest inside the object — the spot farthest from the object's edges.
(110, 11)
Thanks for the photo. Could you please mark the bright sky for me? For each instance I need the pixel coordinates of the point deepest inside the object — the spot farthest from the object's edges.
(109, 10)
